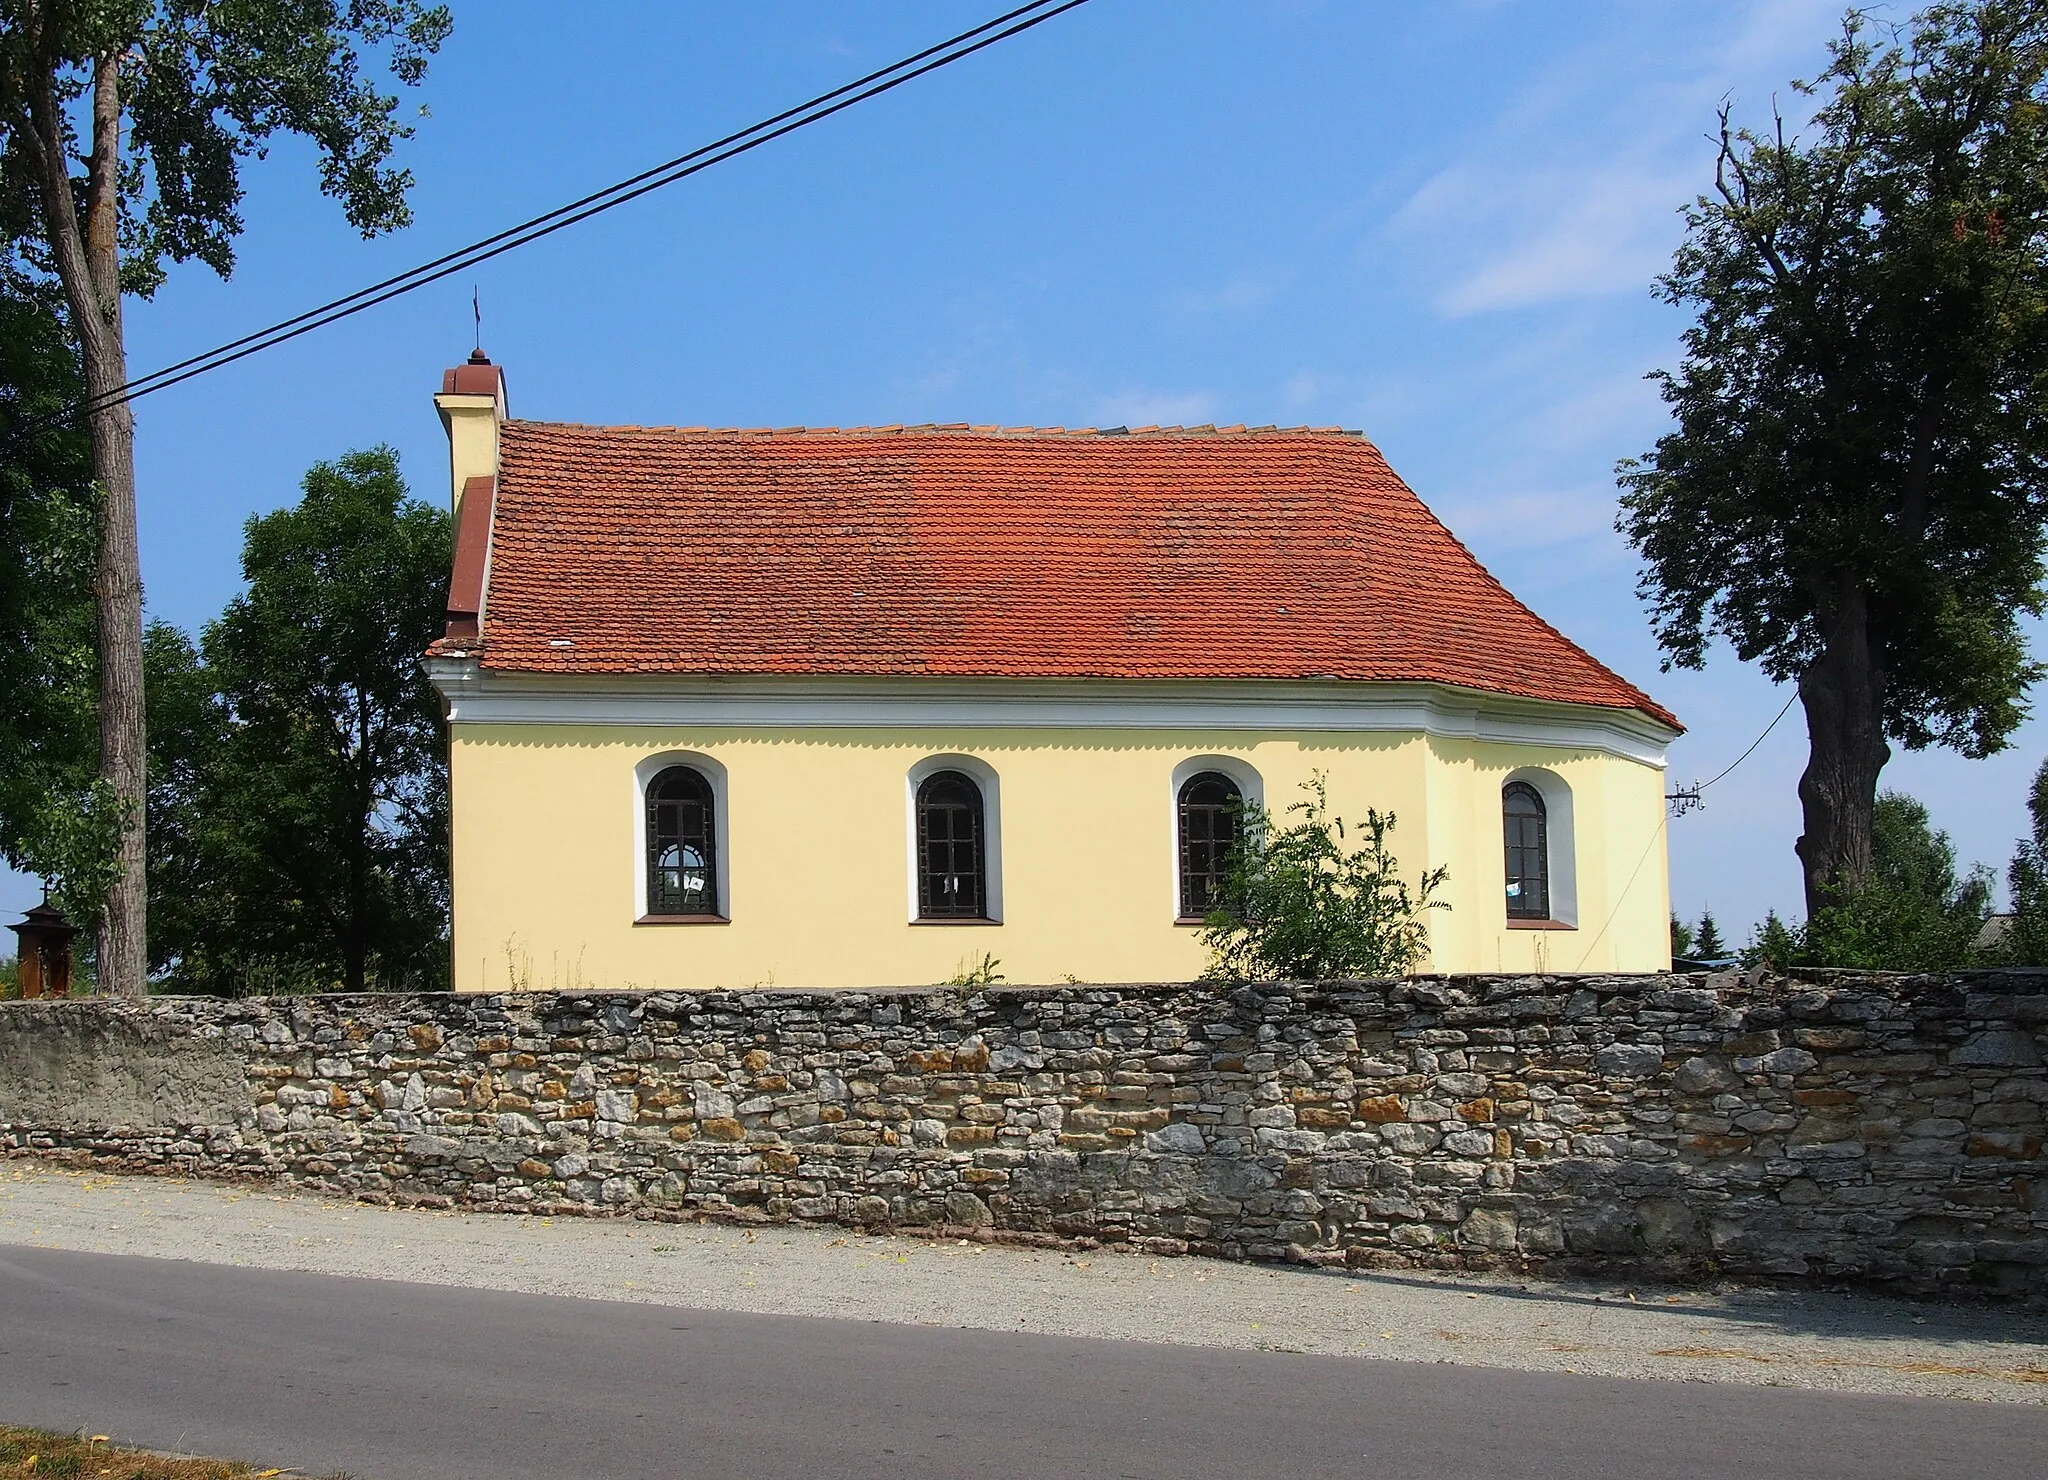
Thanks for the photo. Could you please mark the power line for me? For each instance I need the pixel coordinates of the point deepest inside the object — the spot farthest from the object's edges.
(931, 59)
(1687, 798)
(1754, 743)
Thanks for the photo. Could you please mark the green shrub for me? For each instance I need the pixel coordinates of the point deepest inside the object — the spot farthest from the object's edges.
(1882, 928)
(1914, 913)
(1297, 904)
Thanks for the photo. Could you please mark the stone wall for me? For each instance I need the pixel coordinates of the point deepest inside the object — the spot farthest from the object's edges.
(1835, 1128)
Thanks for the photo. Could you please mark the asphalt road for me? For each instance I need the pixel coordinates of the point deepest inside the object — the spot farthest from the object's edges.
(395, 1381)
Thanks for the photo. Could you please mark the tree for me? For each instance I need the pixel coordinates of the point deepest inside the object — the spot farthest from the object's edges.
(2025, 942)
(300, 812)
(193, 88)
(1295, 904)
(54, 819)
(1776, 945)
(1855, 490)
(1912, 913)
(1707, 944)
(1681, 937)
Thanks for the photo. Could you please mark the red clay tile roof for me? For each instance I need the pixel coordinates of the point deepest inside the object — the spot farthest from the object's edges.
(1157, 553)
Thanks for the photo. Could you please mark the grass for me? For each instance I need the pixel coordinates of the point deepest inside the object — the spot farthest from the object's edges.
(33, 1454)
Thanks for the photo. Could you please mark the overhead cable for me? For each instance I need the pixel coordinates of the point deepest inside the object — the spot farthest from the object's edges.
(944, 54)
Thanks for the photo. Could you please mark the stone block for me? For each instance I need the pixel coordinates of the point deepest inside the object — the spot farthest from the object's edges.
(1630, 1060)
(1382, 1109)
(2007, 1113)
(1409, 1140)
(2003, 1048)
(1323, 1116)
(1704, 1076)
(1179, 1139)
(1671, 1227)
(1490, 1228)
(1787, 1061)
(967, 1210)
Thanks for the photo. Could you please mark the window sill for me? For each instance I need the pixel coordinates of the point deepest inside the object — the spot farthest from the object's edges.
(1191, 920)
(1540, 925)
(957, 920)
(682, 920)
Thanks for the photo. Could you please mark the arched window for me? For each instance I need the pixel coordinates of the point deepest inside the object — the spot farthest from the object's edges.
(1525, 826)
(952, 858)
(1211, 822)
(682, 852)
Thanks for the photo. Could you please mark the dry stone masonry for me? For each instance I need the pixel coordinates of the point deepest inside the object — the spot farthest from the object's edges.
(1838, 1127)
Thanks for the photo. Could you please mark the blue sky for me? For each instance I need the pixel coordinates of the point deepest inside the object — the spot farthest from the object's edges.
(1437, 223)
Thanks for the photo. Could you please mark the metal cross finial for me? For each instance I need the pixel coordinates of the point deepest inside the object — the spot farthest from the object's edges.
(476, 309)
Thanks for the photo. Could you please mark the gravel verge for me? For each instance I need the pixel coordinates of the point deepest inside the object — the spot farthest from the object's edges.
(1829, 1341)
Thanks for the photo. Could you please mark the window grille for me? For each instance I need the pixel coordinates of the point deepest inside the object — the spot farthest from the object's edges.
(952, 861)
(1211, 824)
(1526, 829)
(682, 855)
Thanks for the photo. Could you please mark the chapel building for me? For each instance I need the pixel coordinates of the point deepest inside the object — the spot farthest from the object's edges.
(886, 706)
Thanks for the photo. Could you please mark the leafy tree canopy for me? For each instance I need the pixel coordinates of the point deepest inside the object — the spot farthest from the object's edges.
(300, 792)
(124, 125)
(207, 84)
(2025, 941)
(1297, 903)
(54, 820)
(1854, 494)
(1914, 912)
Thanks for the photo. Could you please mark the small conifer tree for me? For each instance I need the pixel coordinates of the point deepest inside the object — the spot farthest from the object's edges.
(1681, 937)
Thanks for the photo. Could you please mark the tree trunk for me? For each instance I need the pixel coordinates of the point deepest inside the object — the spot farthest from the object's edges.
(87, 259)
(1843, 695)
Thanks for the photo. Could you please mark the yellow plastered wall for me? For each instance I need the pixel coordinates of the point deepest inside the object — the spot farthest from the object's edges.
(818, 886)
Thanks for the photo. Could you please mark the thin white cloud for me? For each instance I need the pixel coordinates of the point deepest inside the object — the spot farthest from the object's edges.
(1571, 236)
(1530, 518)
(1572, 191)
(1241, 291)
(1139, 408)
(1776, 33)
(1304, 388)
(1598, 414)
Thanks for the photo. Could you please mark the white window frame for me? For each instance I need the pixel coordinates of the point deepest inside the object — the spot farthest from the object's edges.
(721, 828)
(983, 775)
(1559, 837)
(1249, 782)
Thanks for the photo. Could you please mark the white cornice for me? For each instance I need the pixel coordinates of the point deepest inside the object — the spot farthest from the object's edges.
(475, 696)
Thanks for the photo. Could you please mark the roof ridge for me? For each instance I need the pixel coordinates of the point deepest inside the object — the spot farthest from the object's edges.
(1204, 432)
